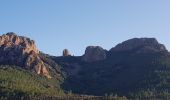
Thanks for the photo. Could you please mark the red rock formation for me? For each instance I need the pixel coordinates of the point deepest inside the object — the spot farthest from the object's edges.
(66, 52)
(21, 51)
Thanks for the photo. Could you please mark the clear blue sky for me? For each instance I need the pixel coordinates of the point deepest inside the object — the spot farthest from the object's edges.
(75, 24)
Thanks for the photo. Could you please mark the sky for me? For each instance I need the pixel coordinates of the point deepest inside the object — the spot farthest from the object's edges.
(76, 24)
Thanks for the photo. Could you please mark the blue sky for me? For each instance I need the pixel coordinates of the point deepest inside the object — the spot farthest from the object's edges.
(76, 24)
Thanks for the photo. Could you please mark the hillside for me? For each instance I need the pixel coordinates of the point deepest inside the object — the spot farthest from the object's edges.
(135, 68)
(25, 71)
(17, 83)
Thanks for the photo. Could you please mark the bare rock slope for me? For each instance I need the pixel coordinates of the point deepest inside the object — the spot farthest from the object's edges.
(21, 51)
(94, 53)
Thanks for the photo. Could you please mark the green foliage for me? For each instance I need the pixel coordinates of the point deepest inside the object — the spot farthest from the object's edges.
(17, 82)
(124, 73)
(137, 76)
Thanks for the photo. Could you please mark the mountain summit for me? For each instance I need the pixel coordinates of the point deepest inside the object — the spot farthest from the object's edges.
(94, 53)
(141, 45)
(21, 51)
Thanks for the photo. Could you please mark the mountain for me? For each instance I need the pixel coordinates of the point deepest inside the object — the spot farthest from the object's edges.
(140, 44)
(94, 53)
(134, 68)
(21, 51)
(137, 68)
(25, 71)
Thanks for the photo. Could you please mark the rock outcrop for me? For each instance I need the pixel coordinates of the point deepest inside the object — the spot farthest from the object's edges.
(66, 52)
(94, 53)
(140, 45)
(21, 51)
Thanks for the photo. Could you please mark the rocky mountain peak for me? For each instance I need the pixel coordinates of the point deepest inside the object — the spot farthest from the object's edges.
(12, 40)
(141, 44)
(94, 53)
(21, 51)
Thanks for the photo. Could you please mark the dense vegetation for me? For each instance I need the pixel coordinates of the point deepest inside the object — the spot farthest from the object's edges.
(134, 72)
(19, 83)
(142, 75)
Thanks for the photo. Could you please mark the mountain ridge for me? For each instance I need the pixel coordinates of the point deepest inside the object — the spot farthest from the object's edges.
(21, 51)
(122, 72)
(132, 68)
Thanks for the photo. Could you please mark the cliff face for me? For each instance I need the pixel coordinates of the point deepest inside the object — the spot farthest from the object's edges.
(141, 45)
(21, 51)
(133, 62)
(94, 53)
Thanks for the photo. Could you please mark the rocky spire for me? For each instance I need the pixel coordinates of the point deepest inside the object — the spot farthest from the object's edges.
(66, 52)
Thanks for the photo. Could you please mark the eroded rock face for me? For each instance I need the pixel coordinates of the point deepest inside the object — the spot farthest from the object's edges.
(21, 51)
(140, 45)
(94, 53)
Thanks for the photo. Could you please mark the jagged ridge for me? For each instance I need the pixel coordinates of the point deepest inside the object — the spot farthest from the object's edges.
(21, 51)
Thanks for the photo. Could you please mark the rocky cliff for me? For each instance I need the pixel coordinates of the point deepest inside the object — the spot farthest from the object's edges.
(140, 45)
(94, 53)
(21, 51)
(133, 65)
